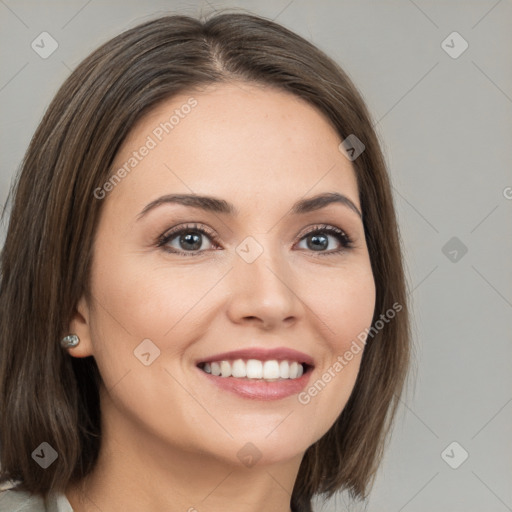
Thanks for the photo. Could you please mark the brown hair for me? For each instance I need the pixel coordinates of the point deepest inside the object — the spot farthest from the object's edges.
(46, 395)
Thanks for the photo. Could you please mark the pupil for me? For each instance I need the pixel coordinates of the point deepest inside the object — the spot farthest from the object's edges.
(194, 239)
(318, 241)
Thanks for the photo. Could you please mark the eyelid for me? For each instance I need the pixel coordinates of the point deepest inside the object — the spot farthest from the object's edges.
(321, 227)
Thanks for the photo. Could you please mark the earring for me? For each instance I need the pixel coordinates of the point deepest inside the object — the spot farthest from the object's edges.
(70, 341)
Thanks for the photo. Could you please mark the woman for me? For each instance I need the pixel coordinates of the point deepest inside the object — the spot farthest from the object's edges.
(203, 304)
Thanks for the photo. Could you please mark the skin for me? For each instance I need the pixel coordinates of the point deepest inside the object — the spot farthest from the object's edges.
(170, 438)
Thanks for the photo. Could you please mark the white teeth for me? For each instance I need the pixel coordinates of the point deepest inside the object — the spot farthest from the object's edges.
(284, 369)
(255, 369)
(238, 368)
(215, 369)
(271, 370)
(294, 370)
(225, 369)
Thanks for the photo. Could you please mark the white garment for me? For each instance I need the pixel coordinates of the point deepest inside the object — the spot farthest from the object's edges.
(12, 500)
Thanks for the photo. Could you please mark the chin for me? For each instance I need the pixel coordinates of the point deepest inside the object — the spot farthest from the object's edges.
(262, 446)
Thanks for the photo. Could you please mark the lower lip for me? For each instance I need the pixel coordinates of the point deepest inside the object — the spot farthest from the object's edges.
(260, 389)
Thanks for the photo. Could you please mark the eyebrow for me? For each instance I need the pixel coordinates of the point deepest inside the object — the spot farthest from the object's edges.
(216, 205)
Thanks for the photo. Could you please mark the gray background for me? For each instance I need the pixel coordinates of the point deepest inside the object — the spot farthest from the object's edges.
(445, 125)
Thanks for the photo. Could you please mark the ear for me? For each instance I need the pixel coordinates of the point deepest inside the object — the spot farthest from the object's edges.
(80, 325)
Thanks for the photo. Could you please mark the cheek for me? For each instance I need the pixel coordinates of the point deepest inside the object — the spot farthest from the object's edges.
(346, 309)
(356, 308)
(145, 310)
(139, 300)
(351, 320)
(345, 303)
(149, 300)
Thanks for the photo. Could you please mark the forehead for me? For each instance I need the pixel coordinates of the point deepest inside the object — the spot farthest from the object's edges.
(245, 141)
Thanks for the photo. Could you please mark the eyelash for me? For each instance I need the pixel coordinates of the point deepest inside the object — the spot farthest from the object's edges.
(345, 241)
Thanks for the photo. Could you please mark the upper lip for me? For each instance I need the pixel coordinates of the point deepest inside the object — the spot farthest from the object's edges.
(263, 354)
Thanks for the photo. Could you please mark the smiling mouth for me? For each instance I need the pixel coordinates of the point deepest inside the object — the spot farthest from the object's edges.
(256, 370)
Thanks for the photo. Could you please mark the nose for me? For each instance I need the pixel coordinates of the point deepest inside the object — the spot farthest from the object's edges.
(264, 292)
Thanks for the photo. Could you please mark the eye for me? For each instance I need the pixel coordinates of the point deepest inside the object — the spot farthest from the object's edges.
(188, 239)
(319, 237)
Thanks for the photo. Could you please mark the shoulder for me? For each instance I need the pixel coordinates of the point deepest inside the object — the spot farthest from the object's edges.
(13, 500)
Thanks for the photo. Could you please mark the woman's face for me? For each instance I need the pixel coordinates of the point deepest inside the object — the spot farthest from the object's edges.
(267, 280)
